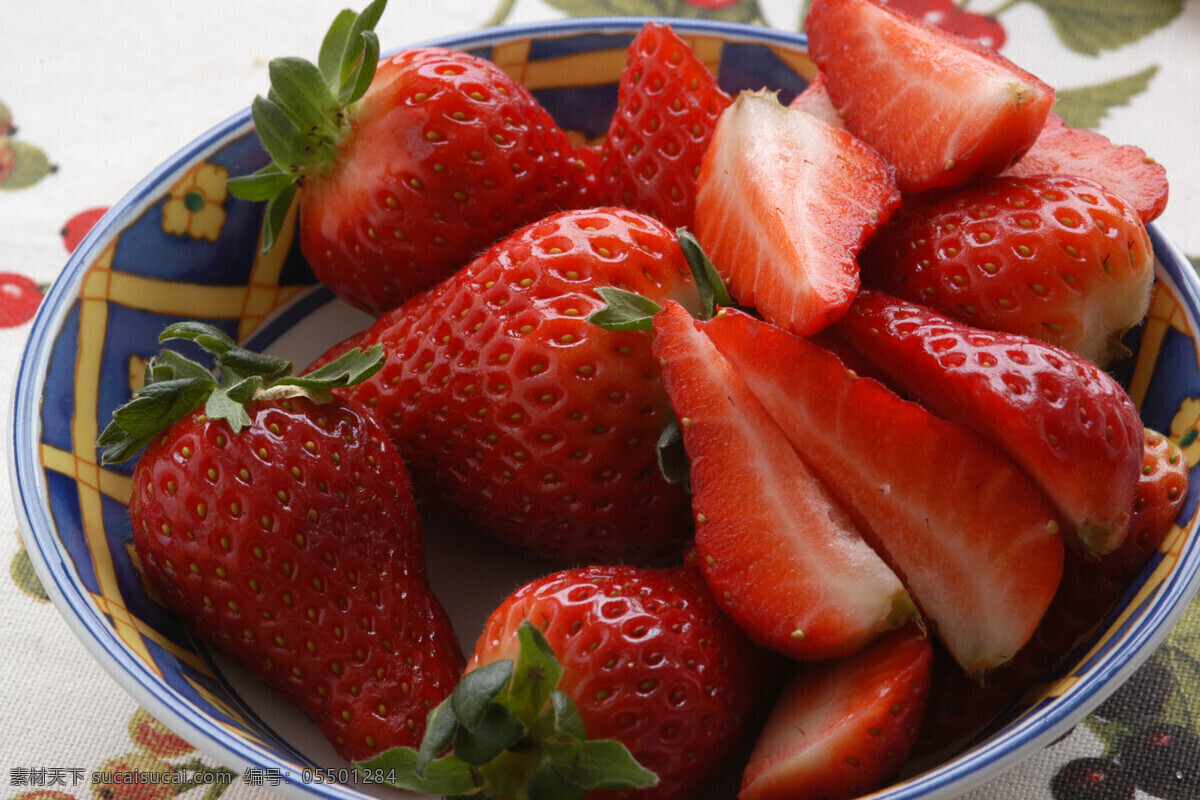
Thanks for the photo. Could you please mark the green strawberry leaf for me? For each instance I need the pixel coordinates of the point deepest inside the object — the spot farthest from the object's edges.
(477, 692)
(230, 404)
(349, 369)
(440, 727)
(273, 219)
(708, 281)
(537, 672)
(1085, 29)
(153, 409)
(447, 776)
(494, 732)
(624, 311)
(546, 782)
(298, 88)
(601, 764)
(333, 48)
(262, 185)
(1087, 106)
(363, 71)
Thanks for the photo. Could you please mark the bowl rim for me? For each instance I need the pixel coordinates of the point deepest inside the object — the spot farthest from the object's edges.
(966, 770)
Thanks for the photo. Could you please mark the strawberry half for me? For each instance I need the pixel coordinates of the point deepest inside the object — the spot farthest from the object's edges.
(521, 416)
(975, 541)
(783, 559)
(596, 678)
(815, 100)
(279, 524)
(962, 707)
(1063, 419)
(405, 169)
(1125, 169)
(784, 204)
(668, 104)
(1054, 257)
(938, 106)
(843, 728)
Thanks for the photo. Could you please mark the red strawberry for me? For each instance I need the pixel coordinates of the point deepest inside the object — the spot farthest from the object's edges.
(972, 537)
(783, 559)
(962, 707)
(1125, 170)
(940, 107)
(1057, 258)
(815, 100)
(640, 662)
(668, 104)
(404, 171)
(536, 424)
(279, 524)
(1060, 417)
(843, 728)
(785, 203)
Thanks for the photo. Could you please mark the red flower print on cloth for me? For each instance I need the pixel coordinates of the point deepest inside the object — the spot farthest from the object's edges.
(19, 299)
(950, 16)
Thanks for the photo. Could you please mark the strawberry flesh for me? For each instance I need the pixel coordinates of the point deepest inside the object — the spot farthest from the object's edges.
(843, 728)
(973, 538)
(785, 203)
(940, 107)
(783, 559)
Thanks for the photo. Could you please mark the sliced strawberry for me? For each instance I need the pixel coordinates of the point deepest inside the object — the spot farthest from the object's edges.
(962, 707)
(783, 559)
(940, 107)
(843, 728)
(668, 104)
(973, 538)
(785, 203)
(1124, 170)
(1059, 416)
(815, 100)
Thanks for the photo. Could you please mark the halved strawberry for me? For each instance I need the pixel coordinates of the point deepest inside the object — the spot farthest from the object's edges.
(783, 559)
(668, 104)
(784, 204)
(1124, 169)
(973, 538)
(843, 728)
(940, 107)
(815, 100)
(1059, 416)
(962, 707)
(1056, 257)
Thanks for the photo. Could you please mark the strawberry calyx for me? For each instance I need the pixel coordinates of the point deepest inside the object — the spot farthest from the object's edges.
(175, 386)
(507, 731)
(303, 120)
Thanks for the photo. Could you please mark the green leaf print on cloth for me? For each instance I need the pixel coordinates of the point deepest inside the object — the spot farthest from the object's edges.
(1086, 106)
(1090, 26)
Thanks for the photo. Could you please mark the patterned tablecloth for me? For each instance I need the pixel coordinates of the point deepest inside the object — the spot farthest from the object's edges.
(93, 95)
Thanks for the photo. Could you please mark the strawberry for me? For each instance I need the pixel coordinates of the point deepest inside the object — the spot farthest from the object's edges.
(843, 728)
(975, 541)
(668, 103)
(279, 524)
(783, 559)
(524, 417)
(1058, 258)
(962, 707)
(815, 100)
(1123, 169)
(405, 170)
(784, 204)
(638, 662)
(1058, 415)
(940, 107)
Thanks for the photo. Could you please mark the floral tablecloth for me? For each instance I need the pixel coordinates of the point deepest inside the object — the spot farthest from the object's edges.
(95, 95)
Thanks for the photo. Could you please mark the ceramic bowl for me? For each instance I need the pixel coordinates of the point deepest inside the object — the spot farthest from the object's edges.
(177, 246)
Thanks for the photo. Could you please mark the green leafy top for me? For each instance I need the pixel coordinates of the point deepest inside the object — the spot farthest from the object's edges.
(507, 731)
(302, 121)
(175, 386)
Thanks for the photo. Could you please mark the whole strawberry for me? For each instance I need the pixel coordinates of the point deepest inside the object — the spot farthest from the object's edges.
(1057, 258)
(668, 104)
(522, 415)
(638, 662)
(405, 170)
(278, 522)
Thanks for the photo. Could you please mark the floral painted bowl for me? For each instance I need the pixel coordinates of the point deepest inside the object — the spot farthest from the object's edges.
(178, 246)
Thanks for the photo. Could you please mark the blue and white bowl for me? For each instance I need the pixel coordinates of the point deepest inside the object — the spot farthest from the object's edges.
(179, 247)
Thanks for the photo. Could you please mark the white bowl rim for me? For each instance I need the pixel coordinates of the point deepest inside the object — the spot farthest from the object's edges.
(959, 774)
